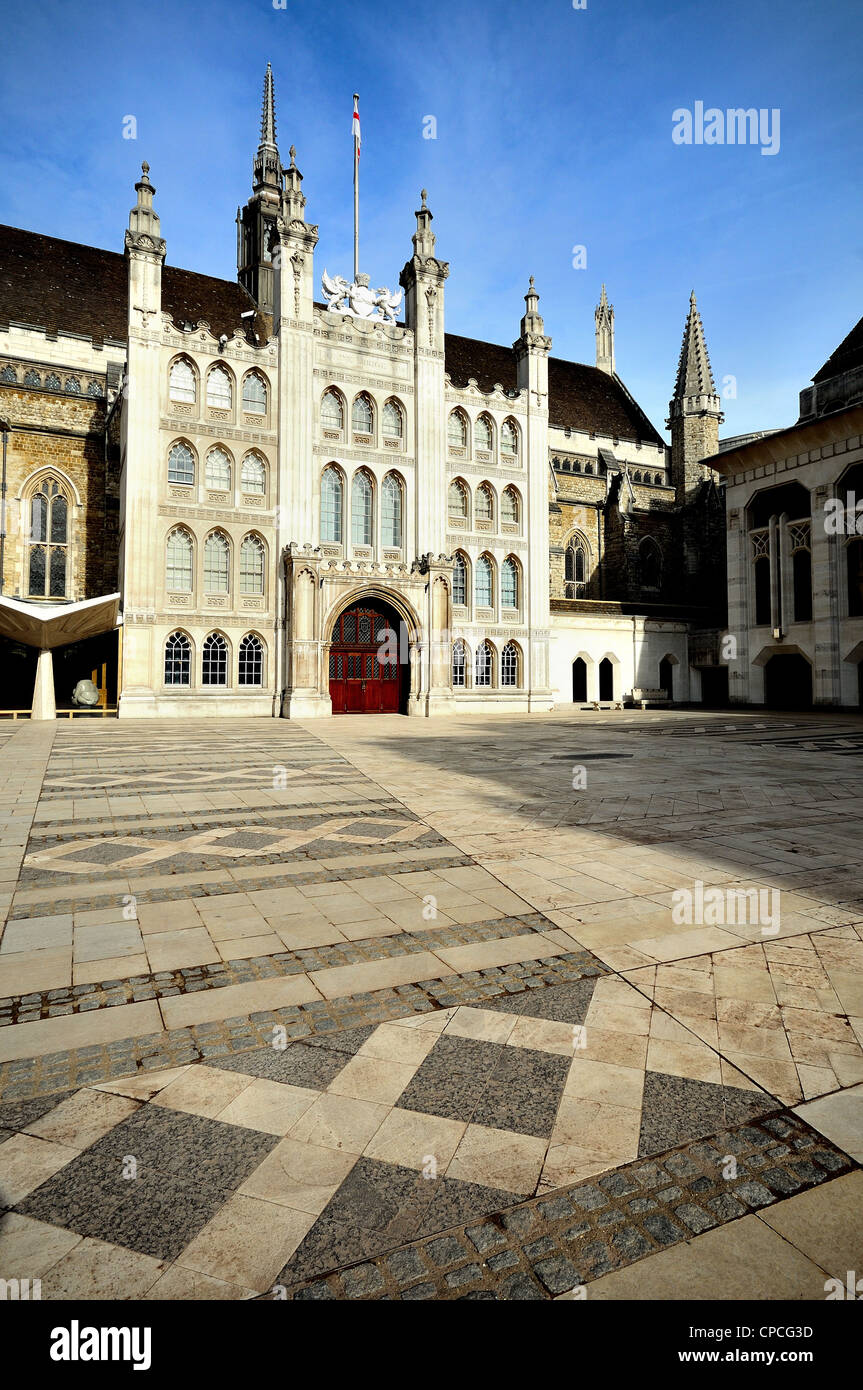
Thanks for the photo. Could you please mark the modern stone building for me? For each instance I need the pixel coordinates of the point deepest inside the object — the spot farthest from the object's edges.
(795, 547)
(309, 507)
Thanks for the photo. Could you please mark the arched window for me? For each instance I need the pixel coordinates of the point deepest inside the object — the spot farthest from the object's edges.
(484, 664)
(457, 501)
(182, 383)
(801, 565)
(250, 666)
(220, 391)
(459, 664)
(252, 565)
(509, 664)
(391, 511)
(484, 506)
(509, 508)
(47, 558)
(332, 494)
(217, 564)
(482, 433)
(508, 440)
(217, 471)
(484, 583)
(253, 474)
(32, 378)
(214, 666)
(361, 509)
(8, 373)
(52, 382)
(854, 561)
(362, 416)
(178, 659)
(509, 583)
(181, 465)
(255, 394)
(393, 421)
(650, 557)
(459, 581)
(179, 557)
(332, 410)
(456, 430)
(72, 386)
(636, 477)
(575, 568)
(657, 478)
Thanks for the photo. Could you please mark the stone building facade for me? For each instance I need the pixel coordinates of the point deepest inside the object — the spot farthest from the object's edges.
(312, 507)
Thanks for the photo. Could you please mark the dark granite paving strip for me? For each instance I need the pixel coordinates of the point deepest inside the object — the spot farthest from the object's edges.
(387, 816)
(165, 983)
(33, 1076)
(82, 902)
(565, 1239)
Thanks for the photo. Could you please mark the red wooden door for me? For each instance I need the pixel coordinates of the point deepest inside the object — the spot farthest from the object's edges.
(360, 682)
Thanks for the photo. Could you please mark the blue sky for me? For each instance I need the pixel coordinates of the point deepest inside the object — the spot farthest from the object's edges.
(553, 131)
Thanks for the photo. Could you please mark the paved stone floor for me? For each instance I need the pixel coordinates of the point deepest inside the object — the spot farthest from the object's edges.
(383, 1008)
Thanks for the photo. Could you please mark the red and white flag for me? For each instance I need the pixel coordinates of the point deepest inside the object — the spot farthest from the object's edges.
(355, 126)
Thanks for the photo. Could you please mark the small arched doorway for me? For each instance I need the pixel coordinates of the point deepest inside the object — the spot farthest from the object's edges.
(369, 667)
(666, 676)
(579, 681)
(788, 682)
(606, 679)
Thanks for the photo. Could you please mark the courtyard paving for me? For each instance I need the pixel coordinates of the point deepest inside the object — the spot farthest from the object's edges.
(384, 1008)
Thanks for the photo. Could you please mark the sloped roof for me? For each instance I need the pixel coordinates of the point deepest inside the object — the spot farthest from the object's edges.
(847, 356)
(63, 285)
(579, 397)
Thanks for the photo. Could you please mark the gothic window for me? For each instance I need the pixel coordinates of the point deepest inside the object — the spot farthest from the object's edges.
(182, 384)
(459, 581)
(509, 440)
(220, 391)
(32, 378)
(95, 389)
(854, 562)
(484, 664)
(178, 659)
(482, 433)
(391, 511)
(332, 492)
(362, 416)
(332, 411)
(484, 582)
(251, 661)
(456, 431)
(457, 501)
(253, 474)
(217, 562)
(509, 583)
(657, 478)
(255, 394)
(393, 421)
(509, 664)
(73, 386)
(49, 541)
(178, 562)
(8, 373)
(218, 471)
(509, 509)
(252, 566)
(361, 509)
(650, 557)
(181, 465)
(459, 665)
(52, 382)
(214, 667)
(575, 568)
(484, 507)
(636, 477)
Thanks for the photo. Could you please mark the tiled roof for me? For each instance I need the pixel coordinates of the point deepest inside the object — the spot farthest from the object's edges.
(847, 356)
(61, 285)
(580, 397)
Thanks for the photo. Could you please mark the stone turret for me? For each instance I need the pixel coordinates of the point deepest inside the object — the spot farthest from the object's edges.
(695, 412)
(604, 317)
(256, 221)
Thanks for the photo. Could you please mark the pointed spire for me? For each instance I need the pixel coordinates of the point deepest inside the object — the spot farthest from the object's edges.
(268, 111)
(532, 322)
(143, 219)
(268, 166)
(424, 239)
(694, 376)
(604, 318)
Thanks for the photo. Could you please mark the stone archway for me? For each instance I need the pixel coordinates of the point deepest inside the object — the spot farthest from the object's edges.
(369, 657)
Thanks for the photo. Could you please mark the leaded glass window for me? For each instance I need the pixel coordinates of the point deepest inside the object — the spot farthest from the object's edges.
(391, 511)
(250, 669)
(482, 433)
(253, 475)
(217, 560)
(393, 421)
(483, 665)
(484, 503)
(220, 393)
(362, 416)
(181, 465)
(509, 665)
(183, 383)
(509, 584)
(218, 471)
(47, 558)
(456, 430)
(332, 412)
(459, 665)
(361, 510)
(484, 582)
(457, 504)
(178, 659)
(509, 506)
(252, 566)
(178, 568)
(214, 666)
(255, 395)
(332, 493)
(459, 580)
(508, 440)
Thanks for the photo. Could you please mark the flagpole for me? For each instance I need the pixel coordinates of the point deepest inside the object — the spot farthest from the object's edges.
(356, 194)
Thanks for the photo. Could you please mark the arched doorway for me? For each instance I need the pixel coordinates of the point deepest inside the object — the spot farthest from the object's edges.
(606, 679)
(579, 681)
(788, 682)
(666, 677)
(368, 666)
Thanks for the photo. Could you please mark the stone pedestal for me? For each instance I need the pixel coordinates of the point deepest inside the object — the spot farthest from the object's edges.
(43, 690)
